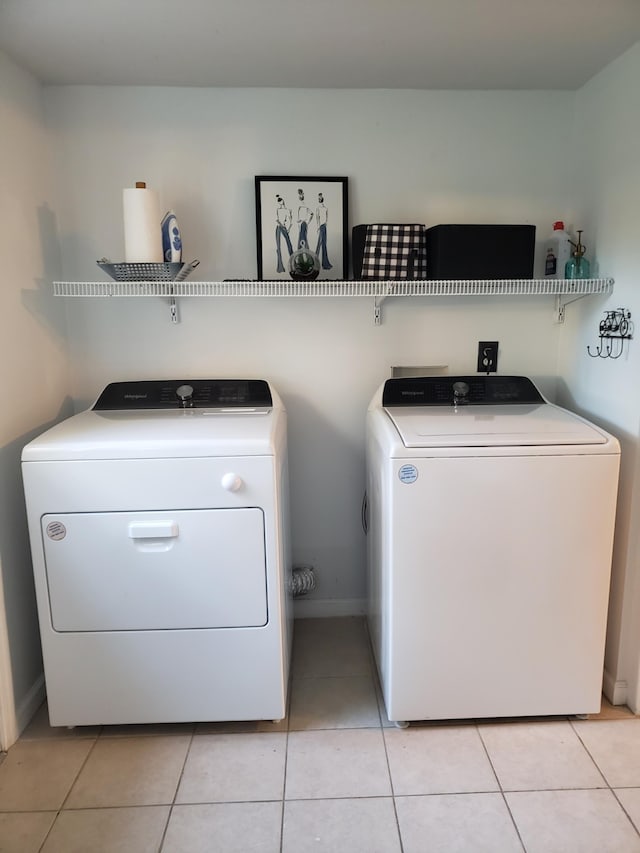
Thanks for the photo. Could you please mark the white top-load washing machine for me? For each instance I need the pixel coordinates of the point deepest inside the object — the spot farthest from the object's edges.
(159, 534)
(491, 515)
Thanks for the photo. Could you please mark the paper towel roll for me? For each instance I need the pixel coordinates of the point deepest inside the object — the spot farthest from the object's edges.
(142, 233)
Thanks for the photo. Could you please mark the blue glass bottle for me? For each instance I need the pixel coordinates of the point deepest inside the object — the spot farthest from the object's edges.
(577, 266)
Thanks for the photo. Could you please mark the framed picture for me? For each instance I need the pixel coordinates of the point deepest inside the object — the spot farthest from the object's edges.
(301, 212)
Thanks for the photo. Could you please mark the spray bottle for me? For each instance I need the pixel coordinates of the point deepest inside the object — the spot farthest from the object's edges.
(578, 266)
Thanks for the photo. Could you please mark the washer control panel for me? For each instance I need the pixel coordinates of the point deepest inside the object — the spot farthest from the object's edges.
(457, 390)
(185, 394)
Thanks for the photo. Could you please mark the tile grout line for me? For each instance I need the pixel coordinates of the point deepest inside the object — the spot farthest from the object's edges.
(286, 746)
(376, 684)
(606, 781)
(454, 793)
(502, 791)
(71, 786)
(393, 793)
(284, 787)
(175, 793)
(584, 746)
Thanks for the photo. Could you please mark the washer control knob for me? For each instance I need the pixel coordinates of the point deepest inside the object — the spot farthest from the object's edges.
(185, 393)
(460, 392)
(231, 482)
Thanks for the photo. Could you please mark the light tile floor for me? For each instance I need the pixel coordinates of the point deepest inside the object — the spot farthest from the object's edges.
(334, 777)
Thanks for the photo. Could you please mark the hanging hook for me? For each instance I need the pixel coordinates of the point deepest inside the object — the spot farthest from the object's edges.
(616, 326)
(619, 347)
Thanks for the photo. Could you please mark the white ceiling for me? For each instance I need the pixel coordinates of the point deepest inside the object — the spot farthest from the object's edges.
(418, 44)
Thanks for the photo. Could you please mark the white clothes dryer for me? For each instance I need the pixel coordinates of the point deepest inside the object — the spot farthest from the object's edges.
(491, 516)
(159, 533)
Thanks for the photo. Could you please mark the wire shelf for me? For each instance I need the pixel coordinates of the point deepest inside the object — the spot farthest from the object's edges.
(377, 289)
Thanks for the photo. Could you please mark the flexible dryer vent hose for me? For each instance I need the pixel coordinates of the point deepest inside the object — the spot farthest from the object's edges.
(303, 581)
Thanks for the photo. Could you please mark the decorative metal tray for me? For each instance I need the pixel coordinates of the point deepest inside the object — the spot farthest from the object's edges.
(147, 272)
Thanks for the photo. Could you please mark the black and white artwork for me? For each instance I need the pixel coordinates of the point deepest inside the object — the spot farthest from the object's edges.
(301, 213)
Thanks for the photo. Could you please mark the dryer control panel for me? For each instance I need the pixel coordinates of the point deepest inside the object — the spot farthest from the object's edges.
(185, 394)
(460, 390)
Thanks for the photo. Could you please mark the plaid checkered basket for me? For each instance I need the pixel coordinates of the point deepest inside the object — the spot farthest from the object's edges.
(395, 252)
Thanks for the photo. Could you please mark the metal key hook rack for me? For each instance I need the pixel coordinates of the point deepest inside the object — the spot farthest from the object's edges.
(616, 326)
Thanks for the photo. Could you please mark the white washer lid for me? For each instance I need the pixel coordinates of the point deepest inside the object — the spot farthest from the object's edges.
(158, 434)
(491, 426)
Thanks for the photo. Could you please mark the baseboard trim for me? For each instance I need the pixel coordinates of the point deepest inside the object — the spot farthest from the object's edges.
(616, 691)
(26, 710)
(327, 607)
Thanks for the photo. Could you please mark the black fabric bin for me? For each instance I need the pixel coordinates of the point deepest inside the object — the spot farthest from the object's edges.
(480, 251)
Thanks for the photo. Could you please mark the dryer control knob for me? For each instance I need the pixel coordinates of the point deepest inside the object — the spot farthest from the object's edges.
(185, 393)
(231, 482)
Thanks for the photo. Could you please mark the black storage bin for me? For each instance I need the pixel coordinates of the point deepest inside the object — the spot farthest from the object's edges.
(358, 236)
(480, 251)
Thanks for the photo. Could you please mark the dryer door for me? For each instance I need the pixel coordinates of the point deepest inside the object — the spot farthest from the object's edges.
(144, 571)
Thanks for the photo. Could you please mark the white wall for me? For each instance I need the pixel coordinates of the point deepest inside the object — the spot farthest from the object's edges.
(410, 156)
(606, 191)
(33, 372)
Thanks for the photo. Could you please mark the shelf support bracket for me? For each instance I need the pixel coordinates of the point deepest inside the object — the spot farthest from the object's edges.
(173, 310)
(377, 309)
(561, 304)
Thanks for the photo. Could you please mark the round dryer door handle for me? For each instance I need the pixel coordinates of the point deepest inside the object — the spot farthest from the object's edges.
(231, 482)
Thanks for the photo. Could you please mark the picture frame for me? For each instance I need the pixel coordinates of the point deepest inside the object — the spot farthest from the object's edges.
(292, 209)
